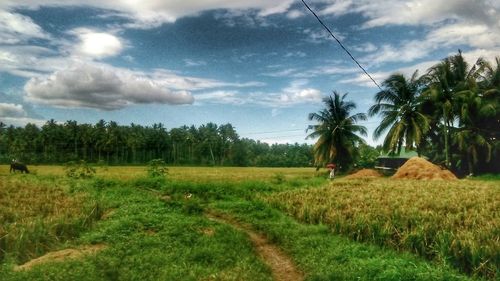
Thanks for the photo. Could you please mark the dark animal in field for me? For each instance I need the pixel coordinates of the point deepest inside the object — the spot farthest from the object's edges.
(19, 167)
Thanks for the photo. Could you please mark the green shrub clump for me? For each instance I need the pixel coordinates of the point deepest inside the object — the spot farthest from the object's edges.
(79, 170)
(157, 168)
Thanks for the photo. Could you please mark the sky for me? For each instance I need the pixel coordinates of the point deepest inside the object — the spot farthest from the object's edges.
(261, 65)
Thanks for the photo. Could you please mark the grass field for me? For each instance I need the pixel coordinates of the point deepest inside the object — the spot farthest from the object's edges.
(156, 229)
(455, 222)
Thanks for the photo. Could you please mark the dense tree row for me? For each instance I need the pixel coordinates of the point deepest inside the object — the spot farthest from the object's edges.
(451, 114)
(111, 143)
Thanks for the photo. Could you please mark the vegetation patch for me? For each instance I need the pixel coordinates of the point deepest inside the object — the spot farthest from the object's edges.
(454, 222)
(37, 215)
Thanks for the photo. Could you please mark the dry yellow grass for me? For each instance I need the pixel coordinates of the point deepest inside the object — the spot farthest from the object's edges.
(180, 173)
(457, 222)
(35, 215)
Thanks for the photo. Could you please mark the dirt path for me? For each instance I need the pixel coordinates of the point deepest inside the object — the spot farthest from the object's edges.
(281, 265)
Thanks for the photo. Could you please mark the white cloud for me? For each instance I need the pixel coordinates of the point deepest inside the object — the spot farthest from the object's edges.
(96, 44)
(326, 70)
(416, 12)
(476, 36)
(221, 97)
(175, 81)
(296, 93)
(16, 28)
(29, 61)
(470, 57)
(298, 54)
(11, 110)
(190, 62)
(100, 86)
(151, 13)
(22, 121)
(365, 48)
(16, 115)
(453, 23)
(337, 7)
(294, 14)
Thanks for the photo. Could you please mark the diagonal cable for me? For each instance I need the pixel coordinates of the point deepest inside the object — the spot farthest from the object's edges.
(341, 45)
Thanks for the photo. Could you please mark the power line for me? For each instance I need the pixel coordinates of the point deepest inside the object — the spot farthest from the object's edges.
(341, 45)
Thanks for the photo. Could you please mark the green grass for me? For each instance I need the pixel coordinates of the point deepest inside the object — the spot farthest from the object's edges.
(152, 231)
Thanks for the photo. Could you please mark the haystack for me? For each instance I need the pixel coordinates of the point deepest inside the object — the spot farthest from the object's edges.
(364, 173)
(421, 169)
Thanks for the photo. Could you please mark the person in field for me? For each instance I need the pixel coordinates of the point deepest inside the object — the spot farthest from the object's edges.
(332, 167)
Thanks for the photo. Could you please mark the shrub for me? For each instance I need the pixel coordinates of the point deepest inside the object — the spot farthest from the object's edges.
(157, 168)
(79, 170)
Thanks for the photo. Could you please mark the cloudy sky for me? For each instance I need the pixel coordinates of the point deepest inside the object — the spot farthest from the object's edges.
(261, 65)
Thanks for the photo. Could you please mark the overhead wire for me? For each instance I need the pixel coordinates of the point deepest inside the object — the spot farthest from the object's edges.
(341, 45)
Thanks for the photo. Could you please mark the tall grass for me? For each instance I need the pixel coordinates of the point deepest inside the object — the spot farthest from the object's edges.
(37, 215)
(457, 223)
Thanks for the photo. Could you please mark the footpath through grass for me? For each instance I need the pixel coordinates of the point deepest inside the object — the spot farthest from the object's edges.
(156, 229)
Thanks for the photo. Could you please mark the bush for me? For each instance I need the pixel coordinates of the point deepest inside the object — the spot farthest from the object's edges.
(79, 170)
(157, 168)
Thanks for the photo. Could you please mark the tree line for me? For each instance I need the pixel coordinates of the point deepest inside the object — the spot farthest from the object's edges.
(450, 114)
(114, 144)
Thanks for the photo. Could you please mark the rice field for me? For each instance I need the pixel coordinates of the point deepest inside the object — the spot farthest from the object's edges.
(233, 174)
(421, 230)
(451, 222)
(36, 215)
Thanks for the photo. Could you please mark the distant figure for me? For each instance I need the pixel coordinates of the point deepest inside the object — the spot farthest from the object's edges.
(17, 166)
(332, 167)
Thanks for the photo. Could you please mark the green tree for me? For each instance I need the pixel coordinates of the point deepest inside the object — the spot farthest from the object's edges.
(398, 104)
(444, 80)
(336, 131)
(478, 109)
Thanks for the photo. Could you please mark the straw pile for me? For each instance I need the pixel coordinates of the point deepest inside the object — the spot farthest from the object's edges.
(421, 169)
(364, 173)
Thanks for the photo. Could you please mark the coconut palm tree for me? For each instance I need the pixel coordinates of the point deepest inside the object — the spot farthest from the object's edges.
(478, 110)
(471, 139)
(337, 131)
(398, 105)
(445, 80)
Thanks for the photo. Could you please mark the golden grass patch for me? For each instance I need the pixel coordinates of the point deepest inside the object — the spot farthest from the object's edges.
(457, 222)
(36, 215)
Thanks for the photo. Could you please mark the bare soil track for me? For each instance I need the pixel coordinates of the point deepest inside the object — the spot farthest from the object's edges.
(282, 267)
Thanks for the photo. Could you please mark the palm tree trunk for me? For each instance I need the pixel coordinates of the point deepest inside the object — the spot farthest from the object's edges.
(212, 154)
(446, 145)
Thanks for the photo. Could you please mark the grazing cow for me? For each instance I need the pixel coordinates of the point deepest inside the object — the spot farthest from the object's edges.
(16, 166)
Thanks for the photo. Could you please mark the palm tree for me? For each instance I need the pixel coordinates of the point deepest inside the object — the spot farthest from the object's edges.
(398, 104)
(445, 80)
(478, 109)
(336, 131)
(472, 140)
